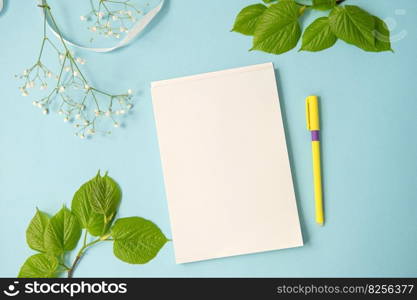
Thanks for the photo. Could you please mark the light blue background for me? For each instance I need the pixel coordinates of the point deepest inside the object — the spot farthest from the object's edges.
(369, 120)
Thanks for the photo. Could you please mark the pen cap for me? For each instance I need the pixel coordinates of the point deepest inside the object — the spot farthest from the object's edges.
(312, 113)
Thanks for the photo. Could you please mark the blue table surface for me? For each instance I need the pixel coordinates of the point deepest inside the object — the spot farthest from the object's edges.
(369, 149)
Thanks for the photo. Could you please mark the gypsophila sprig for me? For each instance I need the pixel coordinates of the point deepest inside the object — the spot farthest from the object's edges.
(112, 18)
(69, 91)
(93, 210)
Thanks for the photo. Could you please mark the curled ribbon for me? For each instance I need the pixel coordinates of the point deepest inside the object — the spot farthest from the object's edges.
(131, 34)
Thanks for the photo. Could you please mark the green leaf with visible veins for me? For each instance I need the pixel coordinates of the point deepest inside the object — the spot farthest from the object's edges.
(353, 25)
(382, 37)
(39, 266)
(318, 36)
(247, 19)
(105, 196)
(62, 233)
(278, 30)
(324, 4)
(81, 207)
(136, 240)
(36, 230)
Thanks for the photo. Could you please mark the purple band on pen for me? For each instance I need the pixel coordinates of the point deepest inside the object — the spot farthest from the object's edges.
(315, 135)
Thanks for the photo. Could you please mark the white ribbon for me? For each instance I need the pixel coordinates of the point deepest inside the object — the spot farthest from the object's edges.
(131, 34)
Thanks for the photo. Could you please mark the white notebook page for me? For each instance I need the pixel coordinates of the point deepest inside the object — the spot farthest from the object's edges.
(225, 163)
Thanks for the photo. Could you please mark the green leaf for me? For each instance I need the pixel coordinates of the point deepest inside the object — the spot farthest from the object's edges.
(318, 36)
(353, 25)
(136, 240)
(324, 4)
(105, 196)
(247, 19)
(382, 37)
(62, 233)
(269, 1)
(81, 207)
(36, 230)
(39, 266)
(278, 30)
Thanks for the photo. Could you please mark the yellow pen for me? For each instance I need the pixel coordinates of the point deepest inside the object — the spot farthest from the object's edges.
(313, 124)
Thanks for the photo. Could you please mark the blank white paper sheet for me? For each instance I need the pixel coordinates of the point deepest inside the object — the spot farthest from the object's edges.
(225, 163)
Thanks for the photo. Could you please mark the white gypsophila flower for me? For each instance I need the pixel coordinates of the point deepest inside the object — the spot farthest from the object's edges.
(80, 60)
(71, 93)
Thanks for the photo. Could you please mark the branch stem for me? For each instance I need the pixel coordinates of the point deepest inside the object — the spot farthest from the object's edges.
(80, 254)
(338, 2)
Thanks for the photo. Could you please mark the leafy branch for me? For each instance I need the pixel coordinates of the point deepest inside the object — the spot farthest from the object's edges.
(276, 28)
(93, 209)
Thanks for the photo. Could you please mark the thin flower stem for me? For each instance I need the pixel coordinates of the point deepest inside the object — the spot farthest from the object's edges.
(68, 53)
(52, 44)
(104, 93)
(41, 51)
(60, 73)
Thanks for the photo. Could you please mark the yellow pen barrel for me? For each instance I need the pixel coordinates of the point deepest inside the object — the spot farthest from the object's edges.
(318, 193)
